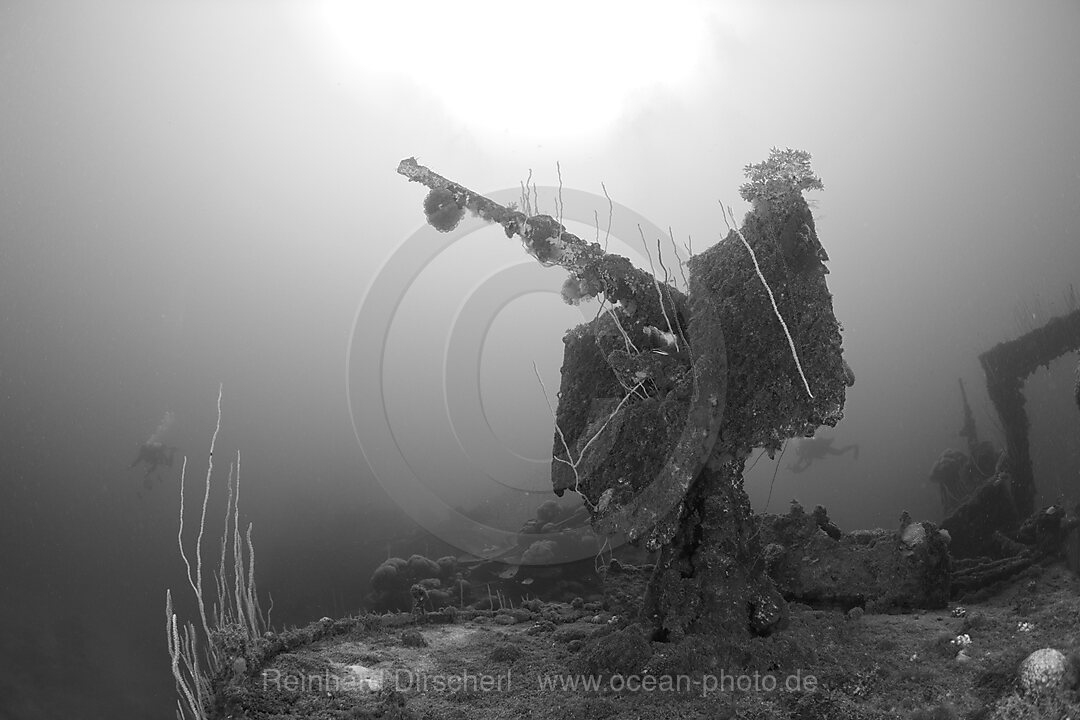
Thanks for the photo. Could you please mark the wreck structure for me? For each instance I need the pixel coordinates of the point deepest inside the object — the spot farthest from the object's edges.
(1007, 366)
(664, 395)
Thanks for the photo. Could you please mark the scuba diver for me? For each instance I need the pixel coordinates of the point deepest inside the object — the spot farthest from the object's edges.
(154, 453)
(810, 449)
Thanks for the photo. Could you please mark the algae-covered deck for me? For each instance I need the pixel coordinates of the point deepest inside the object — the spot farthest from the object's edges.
(565, 661)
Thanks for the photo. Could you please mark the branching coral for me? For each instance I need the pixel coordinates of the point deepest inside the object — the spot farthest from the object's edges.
(785, 174)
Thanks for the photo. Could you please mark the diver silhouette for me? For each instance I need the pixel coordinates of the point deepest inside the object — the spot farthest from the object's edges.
(811, 449)
(154, 455)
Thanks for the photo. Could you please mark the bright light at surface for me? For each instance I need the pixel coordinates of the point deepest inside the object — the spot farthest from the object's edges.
(530, 70)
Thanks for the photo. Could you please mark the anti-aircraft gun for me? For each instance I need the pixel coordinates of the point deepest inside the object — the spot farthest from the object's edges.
(664, 396)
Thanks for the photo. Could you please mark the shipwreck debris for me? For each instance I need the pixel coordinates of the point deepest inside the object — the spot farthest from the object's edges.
(656, 442)
(814, 563)
(1007, 366)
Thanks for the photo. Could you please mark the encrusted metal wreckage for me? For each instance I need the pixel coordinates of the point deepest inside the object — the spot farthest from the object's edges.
(656, 438)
